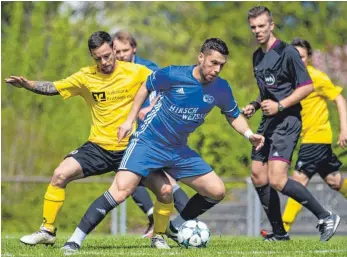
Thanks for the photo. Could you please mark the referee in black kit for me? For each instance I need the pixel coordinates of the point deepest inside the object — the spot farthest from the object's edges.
(283, 82)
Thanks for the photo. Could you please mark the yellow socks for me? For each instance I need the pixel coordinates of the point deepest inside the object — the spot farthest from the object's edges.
(291, 211)
(162, 212)
(343, 189)
(53, 201)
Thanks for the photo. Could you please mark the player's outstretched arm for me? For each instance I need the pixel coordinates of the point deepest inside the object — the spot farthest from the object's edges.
(125, 128)
(240, 125)
(342, 110)
(38, 87)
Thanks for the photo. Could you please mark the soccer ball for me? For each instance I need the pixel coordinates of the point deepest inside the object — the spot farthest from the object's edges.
(193, 234)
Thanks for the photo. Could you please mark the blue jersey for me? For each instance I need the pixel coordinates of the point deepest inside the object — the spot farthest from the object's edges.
(152, 66)
(183, 104)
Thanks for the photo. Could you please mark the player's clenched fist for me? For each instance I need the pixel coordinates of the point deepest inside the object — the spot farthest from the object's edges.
(248, 111)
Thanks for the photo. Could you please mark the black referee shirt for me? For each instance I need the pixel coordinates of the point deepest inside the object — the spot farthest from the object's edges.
(279, 72)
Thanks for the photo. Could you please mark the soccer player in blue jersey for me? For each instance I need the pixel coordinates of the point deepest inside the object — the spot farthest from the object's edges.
(187, 95)
(125, 47)
(283, 81)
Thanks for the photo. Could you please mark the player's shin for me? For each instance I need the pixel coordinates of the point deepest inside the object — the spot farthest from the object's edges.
(94, 215)
(180, 198)
(53, 201)
(290, 213)
(301, 194)
(144, 201)
(271, 204)
(196, 206)
(162, 212)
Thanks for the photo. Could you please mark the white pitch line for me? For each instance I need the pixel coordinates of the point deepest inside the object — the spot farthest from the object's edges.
(280, 252)
(230, 253)
(179, 253)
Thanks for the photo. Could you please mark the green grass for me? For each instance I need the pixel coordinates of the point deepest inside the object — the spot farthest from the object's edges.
(106, 245)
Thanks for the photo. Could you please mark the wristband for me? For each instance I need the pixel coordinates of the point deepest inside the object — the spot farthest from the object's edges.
(248, 134)
(256, 105)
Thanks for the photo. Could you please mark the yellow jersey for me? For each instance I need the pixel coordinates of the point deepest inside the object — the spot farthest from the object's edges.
(316, 128)
(109, 97)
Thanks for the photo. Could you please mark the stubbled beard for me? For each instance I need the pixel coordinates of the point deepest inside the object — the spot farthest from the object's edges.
(202, 77)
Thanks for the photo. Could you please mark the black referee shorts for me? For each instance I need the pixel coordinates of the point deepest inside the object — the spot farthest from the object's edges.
(281, 136)
(95, 160)
(317, 158)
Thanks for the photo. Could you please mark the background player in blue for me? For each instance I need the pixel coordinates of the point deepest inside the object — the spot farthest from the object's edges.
(187, 95)
(125, 47)
(283, 82)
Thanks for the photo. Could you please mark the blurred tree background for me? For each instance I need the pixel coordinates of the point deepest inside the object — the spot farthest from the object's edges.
(48, 41)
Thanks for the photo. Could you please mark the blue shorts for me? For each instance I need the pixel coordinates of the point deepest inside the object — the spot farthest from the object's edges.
(143, 157)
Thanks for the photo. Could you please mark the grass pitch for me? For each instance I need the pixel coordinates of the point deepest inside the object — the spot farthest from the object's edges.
(132, 245)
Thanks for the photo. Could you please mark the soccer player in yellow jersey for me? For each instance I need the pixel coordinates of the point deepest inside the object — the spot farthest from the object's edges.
(109, 88)
(315, 154)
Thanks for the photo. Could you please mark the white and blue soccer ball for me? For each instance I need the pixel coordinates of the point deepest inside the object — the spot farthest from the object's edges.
(193, 234)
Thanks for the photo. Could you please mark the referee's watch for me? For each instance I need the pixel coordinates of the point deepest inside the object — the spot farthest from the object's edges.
(280, 107)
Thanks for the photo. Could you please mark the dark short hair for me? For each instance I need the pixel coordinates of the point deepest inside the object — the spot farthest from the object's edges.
(302, 43)
(98, 38)
(259, 10)
(215, 44)
(125, 36)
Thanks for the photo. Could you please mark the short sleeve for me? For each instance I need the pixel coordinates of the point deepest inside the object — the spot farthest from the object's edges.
(71, 86)
(143, 73)
(159, 80)
(297, 68)
(227, 103)
(324, 87)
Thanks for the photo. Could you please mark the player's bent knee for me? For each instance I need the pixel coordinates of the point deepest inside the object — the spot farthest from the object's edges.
(333, 181)
(333, 184)
(220, 196)
(120, 196)
(277, 183)
(300, 177)
(277, 187)
(258, 178)
(60, 178)
(165, 195)
(217, 194)
(335, 187)
(254, 177)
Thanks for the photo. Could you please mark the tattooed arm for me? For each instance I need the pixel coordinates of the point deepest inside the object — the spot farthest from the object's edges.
(38, 87)
(43, 88)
